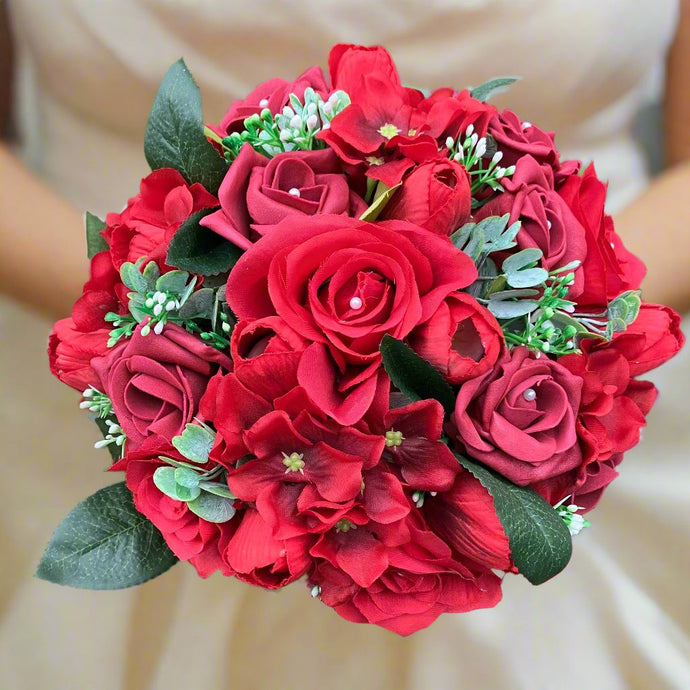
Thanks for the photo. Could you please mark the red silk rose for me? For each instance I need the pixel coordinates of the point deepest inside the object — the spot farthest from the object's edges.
(155, 382)
(189, 537)
(519, 418)
(547, 221)
(146, 226)
(462, 339)
(343, 284)
(435, 195)
(259, 192)
(516, 139)
(608, 268)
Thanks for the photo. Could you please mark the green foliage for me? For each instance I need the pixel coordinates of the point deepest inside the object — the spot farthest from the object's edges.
(413, 375)
(492, 88)
(94, 240)
(105, 543)
(540, 542)
(198, 249)
(175, 132)
(382, 196)
(195, 443)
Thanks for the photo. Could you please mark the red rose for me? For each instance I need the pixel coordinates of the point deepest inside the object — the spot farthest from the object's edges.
(75, 341)
(419, 581)
(652, 339)
(516, 139)
(608, 268)
(272, 94)
(519, 417)
(343, 284)
(155, 382)
(465, 518)
(151, 218)
(448, 114)
(270, 335)
(189, 537)
(258, 192)
(462, 339)
(547, 221)
(348, 64)
(435, 195)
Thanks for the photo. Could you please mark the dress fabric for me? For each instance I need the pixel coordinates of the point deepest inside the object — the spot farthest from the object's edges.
(616, 618)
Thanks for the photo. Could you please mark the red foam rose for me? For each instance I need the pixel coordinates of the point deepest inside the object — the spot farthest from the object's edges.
(519, 418)
(155, 382)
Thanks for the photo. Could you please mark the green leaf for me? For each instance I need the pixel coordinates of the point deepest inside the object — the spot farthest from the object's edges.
(529, 277)
(414, 376)
(508, 309)
(492, 87)
(105, 543)
(199, 250)
(173, 282)
(175, 132)
(166, 481)
(195, 443)
(540, 543)
(94, 240)
(187, 478)
(199, 305)
(133, 279)
(212, 508)
(521, 259)
(382, 196)
(217, 489)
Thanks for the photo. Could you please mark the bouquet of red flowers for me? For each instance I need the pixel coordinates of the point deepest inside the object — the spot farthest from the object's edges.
(380, 339)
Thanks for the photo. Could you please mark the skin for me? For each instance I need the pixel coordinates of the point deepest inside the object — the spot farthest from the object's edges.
(47, 273)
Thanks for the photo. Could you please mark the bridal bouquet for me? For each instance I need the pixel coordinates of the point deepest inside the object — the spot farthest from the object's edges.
(381, 340)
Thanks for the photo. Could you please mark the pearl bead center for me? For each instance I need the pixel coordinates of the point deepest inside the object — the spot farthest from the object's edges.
(529, 395)
(294, 191)
(355, 303)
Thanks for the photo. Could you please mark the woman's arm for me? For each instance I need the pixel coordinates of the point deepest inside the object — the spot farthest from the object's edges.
(42, 252)
(657, 225)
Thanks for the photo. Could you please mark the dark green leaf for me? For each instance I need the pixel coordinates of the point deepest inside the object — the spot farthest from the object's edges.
(199, 250)
(105, 543)
(199, 305)
(175, 131)
(414, 376)
(94, 241)
(492, 87)
(540, 543)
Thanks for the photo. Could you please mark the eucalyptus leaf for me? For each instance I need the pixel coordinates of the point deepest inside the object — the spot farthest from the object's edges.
(195, 443)
(164, 479)
(505, 309)
(151, 274)
(217, 489)
(187, 478)
(494, 226)
(212, 508)
(199, 305)
(492, 88)
(461, 235)
(105, 543)
(175, 131)
(198, 249)
(133, 279)
(95, 242)
(382, 196)
(414, 376)
(173, 282)
(540, 543)
(529, 277)
(522, 259)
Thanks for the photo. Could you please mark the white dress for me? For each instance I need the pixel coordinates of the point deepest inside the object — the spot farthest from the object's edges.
(87, 73)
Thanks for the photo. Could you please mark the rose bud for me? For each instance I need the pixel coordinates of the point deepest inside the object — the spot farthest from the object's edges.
(435, 195)
(462, 339)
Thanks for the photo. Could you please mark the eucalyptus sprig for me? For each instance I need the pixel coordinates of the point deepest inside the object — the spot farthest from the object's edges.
(205, 491)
